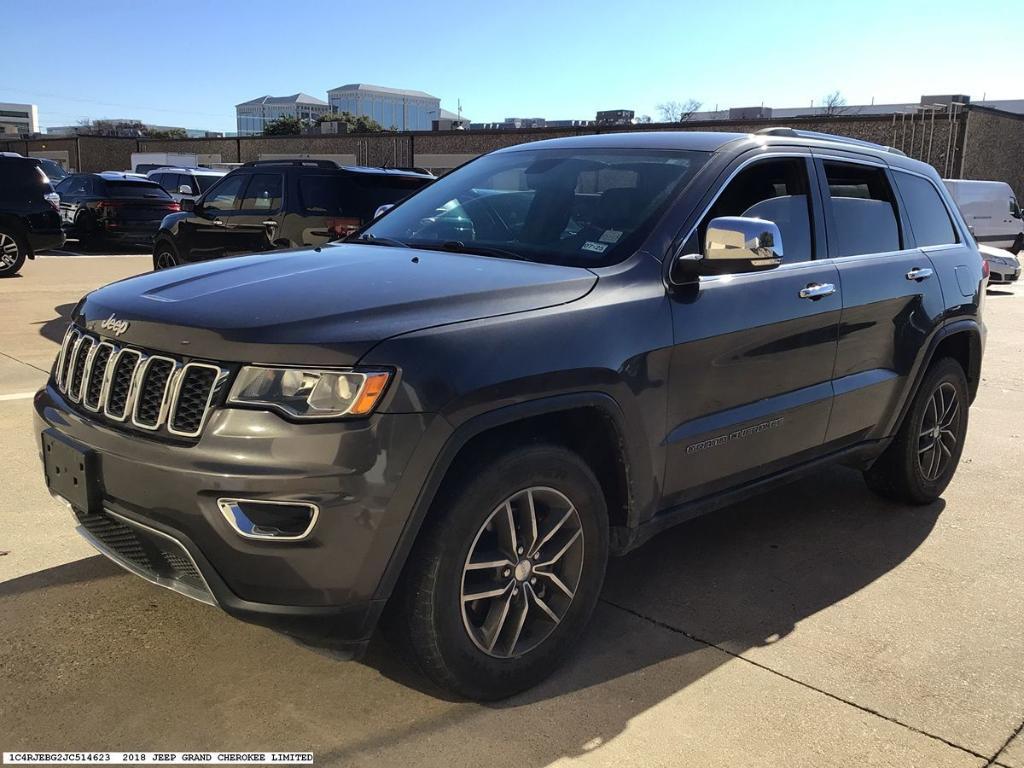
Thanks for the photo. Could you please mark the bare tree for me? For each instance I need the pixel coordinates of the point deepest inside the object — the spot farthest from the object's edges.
(835, 103)
(644, 119)
(678, 111)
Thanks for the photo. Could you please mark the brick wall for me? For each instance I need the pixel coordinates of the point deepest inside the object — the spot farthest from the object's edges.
(994, 148)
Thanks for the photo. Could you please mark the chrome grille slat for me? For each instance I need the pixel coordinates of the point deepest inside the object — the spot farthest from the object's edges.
(154, 378)
(96, 383)
(134, 387)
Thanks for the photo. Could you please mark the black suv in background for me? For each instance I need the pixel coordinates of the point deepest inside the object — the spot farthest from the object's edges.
(29, 218)
(112, 207)
(271, 204)
(544, 358)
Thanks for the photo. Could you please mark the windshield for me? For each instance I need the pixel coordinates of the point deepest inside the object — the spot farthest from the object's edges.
(52, 169)
(562, 206)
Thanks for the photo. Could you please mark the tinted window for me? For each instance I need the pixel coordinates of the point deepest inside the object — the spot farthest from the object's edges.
(135, 190)
(775, 190)
(929, 218)
(74, 185)
(202, 182)
(224, 197)
(863, 209)
(263, 193)
(19, 178)
(54, 171)
(323, 195)
(560, 222)
(369, 192)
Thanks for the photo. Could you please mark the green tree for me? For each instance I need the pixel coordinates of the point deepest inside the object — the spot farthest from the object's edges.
(352, 123)
(286, 125)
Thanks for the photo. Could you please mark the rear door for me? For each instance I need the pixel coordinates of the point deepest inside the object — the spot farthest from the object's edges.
(892, 301)
(750, 379)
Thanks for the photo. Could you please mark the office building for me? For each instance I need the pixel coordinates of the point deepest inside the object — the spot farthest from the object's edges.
(393, 108)
(252, 116)
(19, 118)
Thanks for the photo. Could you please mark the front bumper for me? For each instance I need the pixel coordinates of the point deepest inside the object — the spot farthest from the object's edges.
(1002, 275)
(160, 494)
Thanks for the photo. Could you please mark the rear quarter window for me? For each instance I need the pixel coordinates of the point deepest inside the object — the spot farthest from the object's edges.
(929, 218)
(356, 195)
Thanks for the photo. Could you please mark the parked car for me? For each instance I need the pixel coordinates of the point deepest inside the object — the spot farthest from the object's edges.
(112, 207)
(1003, 266)
(185, 183)
(270, 204)
(29, 221)
(144, 162)
(991, 211)
(545, 357)
(54, 171)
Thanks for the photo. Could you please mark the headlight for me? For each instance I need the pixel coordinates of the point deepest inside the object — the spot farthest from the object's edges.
(309, 394)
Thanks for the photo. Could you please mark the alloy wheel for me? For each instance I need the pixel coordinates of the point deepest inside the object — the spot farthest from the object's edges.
(522, 572)
(8, 251)
(165, 260)
(940, 428)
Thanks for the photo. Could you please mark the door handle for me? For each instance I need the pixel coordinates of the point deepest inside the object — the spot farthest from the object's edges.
(218, 223)
(817, 291)
(269, 223)
(920, 273)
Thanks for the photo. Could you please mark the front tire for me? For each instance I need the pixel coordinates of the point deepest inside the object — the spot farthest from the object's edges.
(921, 461)
(506, 574)
(165, 255)
(13, 251)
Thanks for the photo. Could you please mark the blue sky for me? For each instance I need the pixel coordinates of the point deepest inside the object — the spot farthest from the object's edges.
(189, 63)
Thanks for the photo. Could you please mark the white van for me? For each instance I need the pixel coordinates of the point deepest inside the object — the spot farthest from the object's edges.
(991, 210)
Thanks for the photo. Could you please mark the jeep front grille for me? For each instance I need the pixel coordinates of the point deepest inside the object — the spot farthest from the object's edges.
(135, 387)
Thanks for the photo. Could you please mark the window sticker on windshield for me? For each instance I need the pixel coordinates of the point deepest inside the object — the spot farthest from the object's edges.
(611, 236)
(590, 245)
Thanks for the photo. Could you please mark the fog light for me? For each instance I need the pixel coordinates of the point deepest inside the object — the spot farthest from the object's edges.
(270, 520)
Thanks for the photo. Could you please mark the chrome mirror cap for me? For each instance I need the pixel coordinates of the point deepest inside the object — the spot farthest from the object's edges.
(732, 245)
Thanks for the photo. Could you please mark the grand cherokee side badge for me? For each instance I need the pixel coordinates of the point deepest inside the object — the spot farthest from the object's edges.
(117, 327)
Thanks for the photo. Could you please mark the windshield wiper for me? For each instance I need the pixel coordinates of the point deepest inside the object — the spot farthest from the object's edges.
(457, 246)
(374, 240)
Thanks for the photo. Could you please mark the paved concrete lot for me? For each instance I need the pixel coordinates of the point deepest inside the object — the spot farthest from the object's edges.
(812, 626)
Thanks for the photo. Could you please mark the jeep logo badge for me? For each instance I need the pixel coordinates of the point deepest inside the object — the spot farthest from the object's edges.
(117, 327)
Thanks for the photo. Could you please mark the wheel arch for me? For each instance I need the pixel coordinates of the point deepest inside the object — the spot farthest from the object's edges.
(961, 340)
(590, 423)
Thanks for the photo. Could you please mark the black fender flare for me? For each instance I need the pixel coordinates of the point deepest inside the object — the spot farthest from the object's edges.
(967, 326)
(477, 425)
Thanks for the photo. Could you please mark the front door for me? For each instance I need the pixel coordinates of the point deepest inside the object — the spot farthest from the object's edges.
(211, 234)
(750, 381)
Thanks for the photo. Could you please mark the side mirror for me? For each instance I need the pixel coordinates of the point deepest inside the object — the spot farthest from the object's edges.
(732, 245)
(184, 189)
(382, 209)
(187, 204)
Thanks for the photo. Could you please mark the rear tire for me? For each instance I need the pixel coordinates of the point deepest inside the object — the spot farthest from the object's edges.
(495, 646)
(920, 462)
(165, 255)
(13, 250)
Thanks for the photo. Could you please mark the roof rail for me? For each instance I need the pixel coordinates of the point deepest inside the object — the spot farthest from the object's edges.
(293, 162)
(795, 134)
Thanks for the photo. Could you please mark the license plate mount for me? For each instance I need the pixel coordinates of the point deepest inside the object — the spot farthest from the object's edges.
(72, 471)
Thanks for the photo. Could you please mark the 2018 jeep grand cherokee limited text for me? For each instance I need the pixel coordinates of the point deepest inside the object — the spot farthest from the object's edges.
(543, 358)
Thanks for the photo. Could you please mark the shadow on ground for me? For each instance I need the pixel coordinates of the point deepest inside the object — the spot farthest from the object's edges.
(116, 663)
(53, 330)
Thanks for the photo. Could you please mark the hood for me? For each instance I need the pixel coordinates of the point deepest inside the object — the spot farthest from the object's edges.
(326, 307)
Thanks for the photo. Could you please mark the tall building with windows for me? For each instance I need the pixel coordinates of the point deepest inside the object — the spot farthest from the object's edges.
(19, 118)
(391, 107)
(251, 116)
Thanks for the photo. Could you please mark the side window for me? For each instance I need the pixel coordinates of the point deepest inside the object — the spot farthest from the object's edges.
(65, 186)
(224, 197)
(863, 209)
(929, 218)
(776, 190)
(263, 193)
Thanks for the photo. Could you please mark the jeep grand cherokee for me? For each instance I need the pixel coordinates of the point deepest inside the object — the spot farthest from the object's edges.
(541, 359)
